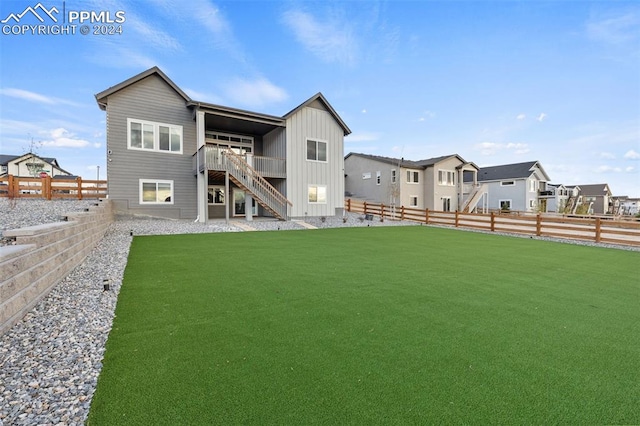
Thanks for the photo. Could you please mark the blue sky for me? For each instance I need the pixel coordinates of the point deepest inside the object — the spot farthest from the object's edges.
(496, 82)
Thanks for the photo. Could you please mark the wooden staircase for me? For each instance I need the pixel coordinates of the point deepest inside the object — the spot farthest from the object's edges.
(247, 178)
(473, 199)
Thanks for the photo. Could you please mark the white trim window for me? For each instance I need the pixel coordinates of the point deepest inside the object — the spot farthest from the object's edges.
(532, 204)
(378, 178)
(533, 185)
(413, 176)
(316, 150)
(504, 204)
(156, 191)
(215, 195)
(413, 201)
(317, 194)
(446, 204)
(446, 177)
(151, 136)
(508, 183)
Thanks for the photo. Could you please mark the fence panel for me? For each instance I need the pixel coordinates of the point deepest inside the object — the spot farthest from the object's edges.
(604, 230)
(49, 188)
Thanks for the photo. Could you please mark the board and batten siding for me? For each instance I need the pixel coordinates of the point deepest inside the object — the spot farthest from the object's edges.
(150, 99)
(310, 122)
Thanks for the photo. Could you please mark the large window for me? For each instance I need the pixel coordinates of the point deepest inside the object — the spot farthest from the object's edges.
(533, 185)
(156, 191)
(316, 150)
(216, 195)
(150, 136)
(413, 176)
(446, 177)
(317, 194)
(446, 204)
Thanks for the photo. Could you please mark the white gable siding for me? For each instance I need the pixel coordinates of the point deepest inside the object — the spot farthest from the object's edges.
(313, 123)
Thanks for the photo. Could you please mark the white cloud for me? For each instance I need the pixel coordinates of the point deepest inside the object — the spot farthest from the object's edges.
(491, 148)
(255, 93)
(153, 36)
(615, 29)
(607, 169)
(35, 97)
(629, 169)
(62, 138)
(607, 156)
(541, 117)
(521, 117)
(364, 111)
(632, 155)
(332, 41)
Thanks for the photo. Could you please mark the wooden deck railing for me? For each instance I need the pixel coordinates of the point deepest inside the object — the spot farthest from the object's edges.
(51, 188)
(596, 229)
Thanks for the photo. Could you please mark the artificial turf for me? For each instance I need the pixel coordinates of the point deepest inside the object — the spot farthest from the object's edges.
(397, 325)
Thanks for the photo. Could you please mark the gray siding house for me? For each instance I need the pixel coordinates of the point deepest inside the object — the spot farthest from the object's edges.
(171, 156)
(515, 186)
(434, 183)
(598, 197)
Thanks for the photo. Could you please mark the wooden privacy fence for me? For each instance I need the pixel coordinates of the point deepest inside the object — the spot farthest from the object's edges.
(594, 229)
(51, 188)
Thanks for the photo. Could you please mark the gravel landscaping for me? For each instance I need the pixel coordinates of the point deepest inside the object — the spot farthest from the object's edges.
(50, 360)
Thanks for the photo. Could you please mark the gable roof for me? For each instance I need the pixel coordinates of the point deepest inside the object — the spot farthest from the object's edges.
(320, 97)
(595, 189)
(509, 171)
(101, 97)
(5, 159)
(401, 162)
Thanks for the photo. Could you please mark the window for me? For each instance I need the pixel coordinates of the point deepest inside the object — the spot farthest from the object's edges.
(216, 195)
(412, 176)
(150, 136)
(446, 204)
(156, 191)
(413, 201)
(316, 150)
(532, 203)
(505, 204)
(317, 194)
(393, 175)
(446, 177)
(507, 183)
(378, 176)
(366, 175)
(533, 185)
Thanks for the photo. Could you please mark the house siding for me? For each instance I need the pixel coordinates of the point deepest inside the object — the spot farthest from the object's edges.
(368, 189)
(433, 199)
(150, 99)
(311, 122)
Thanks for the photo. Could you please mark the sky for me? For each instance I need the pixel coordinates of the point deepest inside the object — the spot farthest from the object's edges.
(496, 82)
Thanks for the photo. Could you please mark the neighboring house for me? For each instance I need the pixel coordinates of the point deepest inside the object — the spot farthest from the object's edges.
(627, 205)
(171, 156)
(516, 186)
(30, 165)
(434, 183)
(598, 197)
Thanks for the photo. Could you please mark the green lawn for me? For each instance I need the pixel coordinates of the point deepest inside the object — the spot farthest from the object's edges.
(397, 325)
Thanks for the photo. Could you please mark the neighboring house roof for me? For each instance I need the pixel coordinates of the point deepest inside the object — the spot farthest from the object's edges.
(595, 189)
(510, 171)
(401, 162)
(320, 97)
(101, 97)
(6, 159)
